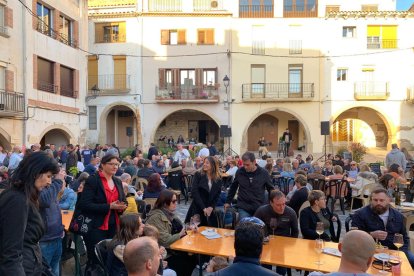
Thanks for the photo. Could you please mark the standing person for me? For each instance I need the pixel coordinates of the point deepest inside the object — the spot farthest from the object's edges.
(287, 139)
(153, 150)
(21, 225)
(15, 158)
(3, 155)
(251, 181)
(63, 156)
(72, 159)
(212, 149)
(181, 153)
(87, 155)
(206, 190)
(382, 222)
(395, 156)
(51, 241)
(103, 200)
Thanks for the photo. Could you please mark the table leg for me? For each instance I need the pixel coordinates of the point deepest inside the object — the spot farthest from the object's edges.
(78, 269)
(200, 265)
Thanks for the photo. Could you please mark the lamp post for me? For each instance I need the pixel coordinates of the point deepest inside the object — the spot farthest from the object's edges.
(226, 82)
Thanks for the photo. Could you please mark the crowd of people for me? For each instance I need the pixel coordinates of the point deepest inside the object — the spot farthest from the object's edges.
(37, 183)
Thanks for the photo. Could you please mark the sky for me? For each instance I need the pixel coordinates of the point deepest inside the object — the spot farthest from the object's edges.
(403, 5)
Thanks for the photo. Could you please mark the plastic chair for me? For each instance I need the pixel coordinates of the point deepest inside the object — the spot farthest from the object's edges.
(364, 195)
(141, 184)
(101, 252)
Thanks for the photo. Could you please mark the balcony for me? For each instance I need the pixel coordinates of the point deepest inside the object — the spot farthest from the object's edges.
(68, 40)
(278, 92)
(111, 84)
(187, 94)
(165, 5)
(68, 92)
(300, 11)
(47, 87)
(110, 38)
(370, 90)
(106, 3)
(207, 5)
(410, 94)
(256, 11)
(4, 31)
(375, 42)
(11, 103)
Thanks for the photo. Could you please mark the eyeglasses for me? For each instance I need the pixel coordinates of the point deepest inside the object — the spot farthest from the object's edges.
(353, 164)
(112, 164)
(174, 201)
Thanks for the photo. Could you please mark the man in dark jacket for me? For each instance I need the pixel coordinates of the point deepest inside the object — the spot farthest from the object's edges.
(248, 245)
(301, 194)
(72, 160)
(382, 222)
(51, 242)
(153, 150)
(212, 149)
(251, 181)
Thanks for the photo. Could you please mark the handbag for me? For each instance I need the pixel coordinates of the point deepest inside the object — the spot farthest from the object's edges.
(80, 224)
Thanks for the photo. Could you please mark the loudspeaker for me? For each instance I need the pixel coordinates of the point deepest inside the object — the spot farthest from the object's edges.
(325, 128)
(225, 131)
(129, 131)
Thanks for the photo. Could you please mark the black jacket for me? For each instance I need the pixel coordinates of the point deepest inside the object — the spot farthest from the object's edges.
(251, 186)
(298, 198)
(93, 201)
(308, 219)
(21, 228)
(368, 221)
(244, 266)
(202, 197)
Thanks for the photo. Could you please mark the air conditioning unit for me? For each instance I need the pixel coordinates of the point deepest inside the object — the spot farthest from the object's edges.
(214, 4)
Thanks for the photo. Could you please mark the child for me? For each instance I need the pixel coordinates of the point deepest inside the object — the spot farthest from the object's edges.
(130, 198)
(216, 263)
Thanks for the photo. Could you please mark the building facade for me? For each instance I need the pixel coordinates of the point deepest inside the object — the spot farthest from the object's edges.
(289, 65)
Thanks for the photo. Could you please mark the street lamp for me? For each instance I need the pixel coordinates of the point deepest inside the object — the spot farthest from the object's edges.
(226, 82)
(95, 93)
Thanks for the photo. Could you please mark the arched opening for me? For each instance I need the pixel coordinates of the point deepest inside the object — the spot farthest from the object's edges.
(121, 127)
(4, 142)
(271, 126)
(55, 136)
(191, 124)
(360, 124)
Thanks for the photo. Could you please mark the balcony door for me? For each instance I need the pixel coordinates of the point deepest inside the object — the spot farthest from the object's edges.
(368, 78)
(295, 81)
(258, 77)
(263, 126)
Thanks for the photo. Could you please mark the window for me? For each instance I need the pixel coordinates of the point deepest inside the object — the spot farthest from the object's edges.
(329, 9)
(348, 31)
(205, 36)
(369, 8)
(256, 8)
(168, 77)
(258, 77)
(44, 24)
(300, 8)
(66, 82)
(65, 30)
(295, 47)
(120, 76)
(382, 37)
(209, 77)
(110, 32)
(2, 20)
(295, 80)
(93, 123)
(187, 77)
(2, 78)
(342, 74)
(173, 37)
(45, 75)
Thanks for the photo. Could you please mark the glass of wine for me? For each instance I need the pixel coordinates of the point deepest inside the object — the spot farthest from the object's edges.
(319, 245)
(384, 258)
(320, 228)
(402, 197)
(189, 230)
(398, 242)
(273, 225)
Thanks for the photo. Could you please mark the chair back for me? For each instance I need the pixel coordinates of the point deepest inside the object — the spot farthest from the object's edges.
(141, 208)
(101, 252)
(304, 205)
(409, 220)
(188, 180)
(338, 229)
(317, 184)
(141, 184)
(134, 181)
(150, 202)
(348, 221)
(226, 219)
(337, 188)
(286, 184)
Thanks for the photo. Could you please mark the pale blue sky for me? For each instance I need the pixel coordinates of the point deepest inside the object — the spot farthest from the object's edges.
(403, 5)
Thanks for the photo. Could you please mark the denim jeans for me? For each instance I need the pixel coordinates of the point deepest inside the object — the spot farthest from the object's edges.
(243, 214)
(52, 252)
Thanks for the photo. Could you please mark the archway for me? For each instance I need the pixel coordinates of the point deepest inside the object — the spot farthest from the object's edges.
(121, 127)
(361, 124)
(191, 124)
(271, 124)
(5, 139)
(55, 136)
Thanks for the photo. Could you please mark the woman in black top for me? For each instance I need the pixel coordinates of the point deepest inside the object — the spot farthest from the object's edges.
(315, 213)
(206, 190)
(21, 225)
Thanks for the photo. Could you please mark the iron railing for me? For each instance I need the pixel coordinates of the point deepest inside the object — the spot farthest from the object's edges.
(256, 11)
(47, 87)
(165, 5)
(68, 92)
(110, 82)
(187, 92)
(110, 38)
(280, 91)
(375, 42)
(207, 5)
(371, 90)
(300, 10)
(11, 102)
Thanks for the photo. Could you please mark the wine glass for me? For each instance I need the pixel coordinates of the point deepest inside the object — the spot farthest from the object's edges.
(273, 225)
(319, 245)
(384, 258)
(196, 219)
(320, 228)
(398, 242)
(189, 230)
(402, 197)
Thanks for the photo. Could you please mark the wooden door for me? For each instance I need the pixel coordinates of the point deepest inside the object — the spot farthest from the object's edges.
(293, 127)
(264, 125)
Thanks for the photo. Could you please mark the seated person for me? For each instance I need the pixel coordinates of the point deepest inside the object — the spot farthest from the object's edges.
(130, 227)
(175, 177)
(146, 170)
(68, 198)
(248, 245)
(279, 165)
(353, 172)
(364, 177)
(327, 169)
(338, 173)
(189, 168)
(387, 181)
(154, 186)
(301, 195)
(316, 212)
(233, 168)
(317, 173)
(159, 166)
(141, 257)
(216, 263)
(295, 188)
(287, 171)
(130, 198)
(382, 222)
(397, 172)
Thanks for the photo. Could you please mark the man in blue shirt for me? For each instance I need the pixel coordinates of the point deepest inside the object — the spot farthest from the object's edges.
(87, 155)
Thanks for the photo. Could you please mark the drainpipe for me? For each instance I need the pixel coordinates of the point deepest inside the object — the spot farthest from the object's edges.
(24, 61)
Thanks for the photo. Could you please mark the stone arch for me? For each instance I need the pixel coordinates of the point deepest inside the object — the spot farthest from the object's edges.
(5, 139)
(61, 128)
(307, 142)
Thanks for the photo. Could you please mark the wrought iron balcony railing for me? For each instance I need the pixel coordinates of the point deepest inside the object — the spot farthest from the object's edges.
(107, 83)
(375, 42)
(256, 11)
(11, 103)
(278, 91)
(165, 5)
(187, 93)
(371, 90)
(68, 92)
(110, 38)
(300, 11)
(47, 87)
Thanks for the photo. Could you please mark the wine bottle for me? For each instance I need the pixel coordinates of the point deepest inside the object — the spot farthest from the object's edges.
(397, 196)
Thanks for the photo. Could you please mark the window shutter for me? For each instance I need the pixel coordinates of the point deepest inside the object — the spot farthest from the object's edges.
(122, 32)
(9, 81)
(201, 36)
(161, 78)
(75, 34)
(165, 37)
(99, 34)
(181, 37)
(209, 36)
(374, 30)
(8, 17)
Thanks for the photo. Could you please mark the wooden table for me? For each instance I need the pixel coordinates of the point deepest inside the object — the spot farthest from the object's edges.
(66, 218)
(402, 208)
(282, 251)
